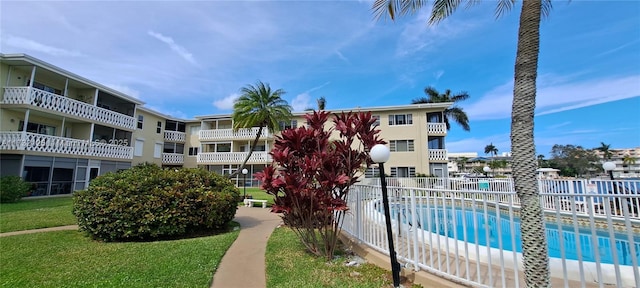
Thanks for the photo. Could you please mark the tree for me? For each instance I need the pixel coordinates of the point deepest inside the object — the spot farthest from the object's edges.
(463, 163)
(628, 160)
(454, 112)
(490, 149)
(321, 103)
(541, 161)
(259, 106)
(534, 246)
(574, 160)
(313, 172)
(604, 148)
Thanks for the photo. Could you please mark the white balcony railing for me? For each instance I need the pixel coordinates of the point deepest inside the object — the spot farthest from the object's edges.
(438, 155)
(26, 141)
(172, 158)
(66, 105)
(229, 134)
(436, 128)
(175, 136)
(233, 157)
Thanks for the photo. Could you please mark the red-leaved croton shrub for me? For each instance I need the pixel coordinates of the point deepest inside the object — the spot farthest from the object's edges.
(313, 169)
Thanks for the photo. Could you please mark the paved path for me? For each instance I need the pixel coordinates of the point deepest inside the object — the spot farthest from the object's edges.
(58, 228)
(243, 265)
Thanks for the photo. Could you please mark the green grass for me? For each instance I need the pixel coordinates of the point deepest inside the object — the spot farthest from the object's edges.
(257, 193)
(36, 213)
(70, 259)
(289, 265)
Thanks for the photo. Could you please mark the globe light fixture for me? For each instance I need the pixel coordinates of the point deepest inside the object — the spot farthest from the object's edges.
(380, 154)
(244, 182)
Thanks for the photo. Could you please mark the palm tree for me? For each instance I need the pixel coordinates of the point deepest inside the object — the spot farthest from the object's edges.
(604, 148)
(463, 162)
(628, 160)
(454, 112)
(321, 103)
(259, 106)
(490, 149)
(541, 161)
(534, 246)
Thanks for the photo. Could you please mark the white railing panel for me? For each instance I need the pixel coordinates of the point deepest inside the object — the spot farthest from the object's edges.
(436, 128)
(229, 134)
(172, 158)
(470, 232)
(438, 155)
(175, 136)
(50, 101)
(233, 157)
(26, 141)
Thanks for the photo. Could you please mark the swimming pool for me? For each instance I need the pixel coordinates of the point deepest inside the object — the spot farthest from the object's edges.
(441, 221)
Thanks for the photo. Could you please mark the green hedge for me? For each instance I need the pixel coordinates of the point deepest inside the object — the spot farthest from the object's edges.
(147, 202)
(12, 189)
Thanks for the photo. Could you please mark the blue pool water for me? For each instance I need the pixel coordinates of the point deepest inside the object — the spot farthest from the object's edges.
(442, 222)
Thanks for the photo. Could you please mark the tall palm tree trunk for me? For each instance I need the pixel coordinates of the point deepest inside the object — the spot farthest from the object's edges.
(534, 246)
(251, 149)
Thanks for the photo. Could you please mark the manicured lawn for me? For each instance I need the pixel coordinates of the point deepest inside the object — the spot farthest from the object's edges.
(257, 193)
(36, 213)
(70, 259)
(289, 265)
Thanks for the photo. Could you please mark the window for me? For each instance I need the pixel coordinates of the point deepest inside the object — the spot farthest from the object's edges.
(371, 172)
(288, 125)
(159, 129)
(47, 88)
(193, 151)
(157, 150)
(434, 117)
(38, 128)
(137, 149)
(403, 171)
(401, 145)
(223, 147)
(140, 120)
(435, 142)
(400, 119)
(377, 117)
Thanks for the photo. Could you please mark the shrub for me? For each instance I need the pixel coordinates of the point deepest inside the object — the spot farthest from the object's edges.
(147, 202)
(12, 189)
(315, 167)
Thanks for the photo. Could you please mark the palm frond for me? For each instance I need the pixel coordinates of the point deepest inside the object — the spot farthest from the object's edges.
(421, 100)
(504, 6)
(459, 116)
(442, 9)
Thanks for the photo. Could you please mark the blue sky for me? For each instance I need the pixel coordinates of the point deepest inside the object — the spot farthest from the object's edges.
(191, 58)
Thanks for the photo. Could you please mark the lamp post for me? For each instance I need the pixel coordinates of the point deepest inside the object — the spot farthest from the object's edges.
(244, 182)
(608, 167)
(380, 154)
(486, 170)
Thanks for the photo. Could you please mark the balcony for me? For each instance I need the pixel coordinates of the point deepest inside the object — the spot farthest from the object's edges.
(60, 104)
(436, 128)
(229, 134)
(26, 141)
(438, 155)
(172, 158)
(175, 136)
(233, 157)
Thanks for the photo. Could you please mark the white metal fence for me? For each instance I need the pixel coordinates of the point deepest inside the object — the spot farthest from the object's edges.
(469, 231)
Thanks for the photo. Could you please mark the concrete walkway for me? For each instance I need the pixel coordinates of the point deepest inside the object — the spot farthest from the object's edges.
(58, 228)
(243, 265)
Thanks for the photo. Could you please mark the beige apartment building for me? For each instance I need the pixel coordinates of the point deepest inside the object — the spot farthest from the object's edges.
(59, 130)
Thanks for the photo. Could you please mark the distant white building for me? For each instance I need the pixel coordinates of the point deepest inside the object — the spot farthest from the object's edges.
(628, 169)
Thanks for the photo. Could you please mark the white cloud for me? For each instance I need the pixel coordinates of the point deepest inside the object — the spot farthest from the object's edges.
(342, 57)
(28, 44)
(125, 89)
(226, 103)
(496, 104)
(174, 46)
(301, 102)
(438, 74)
